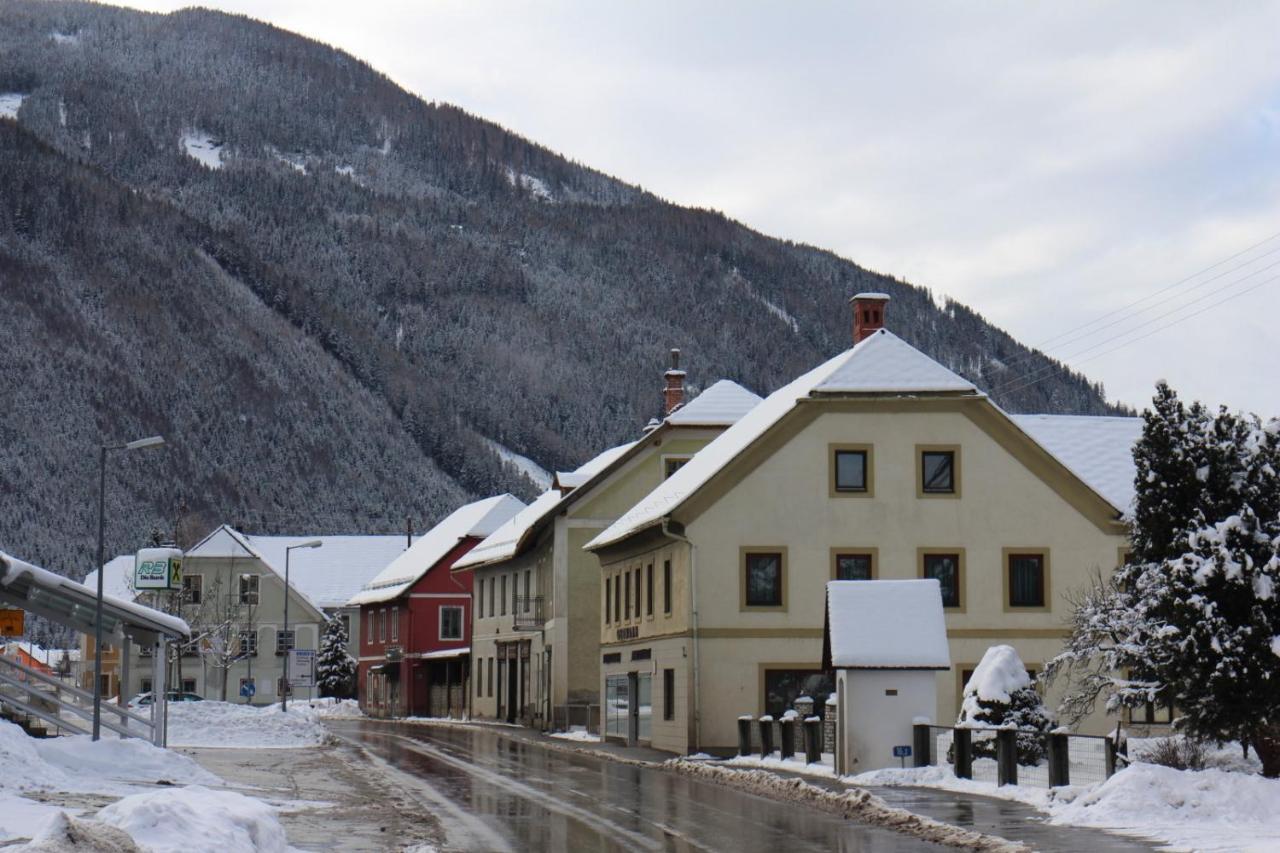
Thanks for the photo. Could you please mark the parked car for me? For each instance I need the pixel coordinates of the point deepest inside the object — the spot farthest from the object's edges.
(142, 700)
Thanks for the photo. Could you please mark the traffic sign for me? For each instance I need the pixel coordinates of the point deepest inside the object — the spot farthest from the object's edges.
(302, 663)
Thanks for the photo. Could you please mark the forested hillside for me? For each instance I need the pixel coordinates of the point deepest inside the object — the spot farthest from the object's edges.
(330, 295)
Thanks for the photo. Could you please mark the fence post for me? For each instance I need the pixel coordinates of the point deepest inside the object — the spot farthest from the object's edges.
(766, 736)
(922, 746)
(1059, 761)
(962, 747)
(787, 740)
(744, 734)
(813, 740)
(1006, 757)
(1111, 757)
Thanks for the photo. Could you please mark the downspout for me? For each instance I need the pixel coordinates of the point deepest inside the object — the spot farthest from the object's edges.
(693, 627)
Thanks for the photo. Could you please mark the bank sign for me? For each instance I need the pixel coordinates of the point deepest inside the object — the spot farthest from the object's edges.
(158, 568)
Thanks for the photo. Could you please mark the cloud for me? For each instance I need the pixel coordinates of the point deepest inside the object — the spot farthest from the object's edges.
(1045, 163)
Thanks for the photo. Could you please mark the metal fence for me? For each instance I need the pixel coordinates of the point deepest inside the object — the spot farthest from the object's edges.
(565, 717)
(1011, 757)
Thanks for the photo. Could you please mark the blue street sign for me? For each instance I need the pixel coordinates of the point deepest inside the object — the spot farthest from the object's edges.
(902, 752)
(247, 690)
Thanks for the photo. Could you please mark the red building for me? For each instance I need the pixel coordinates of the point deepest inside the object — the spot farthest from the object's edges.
(415, 619)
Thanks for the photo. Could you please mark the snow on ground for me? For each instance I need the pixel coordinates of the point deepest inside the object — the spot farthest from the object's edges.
(223, 724)
(345, 171)
(540, 476)
(71, 39)
(203, 148)
(578, 733)
(169, 821)
(297, 161)
(533, 185)
(10, 103)
(794, 764)
(769, 305)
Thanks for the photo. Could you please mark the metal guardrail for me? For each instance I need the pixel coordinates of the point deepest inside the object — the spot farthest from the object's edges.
(21, 678)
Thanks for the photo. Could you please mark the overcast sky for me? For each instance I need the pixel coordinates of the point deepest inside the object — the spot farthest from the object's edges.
(1046, 164)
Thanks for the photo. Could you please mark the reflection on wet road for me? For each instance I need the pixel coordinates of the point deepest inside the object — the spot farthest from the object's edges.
(493, 792)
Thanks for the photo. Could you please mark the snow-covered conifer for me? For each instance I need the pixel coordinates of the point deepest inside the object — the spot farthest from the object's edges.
(335, 670)
(1002, 694)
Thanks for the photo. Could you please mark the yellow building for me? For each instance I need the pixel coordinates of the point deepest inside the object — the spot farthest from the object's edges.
(879, 463)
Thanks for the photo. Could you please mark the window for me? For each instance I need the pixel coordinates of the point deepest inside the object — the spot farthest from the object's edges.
(637, 574)
(248, 644)
(850, 470)
(526, 591)
(395, 624)
(284, 641)
(626, 583)
(668, 694)
(1152, 714)
(854, 567)
(939, 471)
(1025, 579)
(346, 623)
(192, 588)
(369, 632)
(617, 705)
(503, 597)
(248, 589)
(783, 686)
(479, 677)
(617, 598)
(492, 584)
(515, 593)
(146, 685)
(608, 601)
(764, 578)
(450, 622)
(480, 601)
(666, 586)
(648, 590)
(945, 567)
(382, 626)
(672, 464)
(188, 685)
(490, 677)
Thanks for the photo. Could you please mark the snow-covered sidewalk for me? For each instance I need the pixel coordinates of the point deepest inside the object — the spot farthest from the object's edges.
(224, 724)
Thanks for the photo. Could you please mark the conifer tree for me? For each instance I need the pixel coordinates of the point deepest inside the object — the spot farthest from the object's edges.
(1001, 694)
(335, 670)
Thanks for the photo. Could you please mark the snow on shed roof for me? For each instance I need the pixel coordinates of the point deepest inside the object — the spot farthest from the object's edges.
(327, 576)
(501, 544)
(478, 520)
(720, 405)
(887, 625)
(896, 361)
(1098, 450)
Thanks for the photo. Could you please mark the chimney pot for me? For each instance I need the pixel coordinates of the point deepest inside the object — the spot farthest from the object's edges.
(868, 314)
(673, 393)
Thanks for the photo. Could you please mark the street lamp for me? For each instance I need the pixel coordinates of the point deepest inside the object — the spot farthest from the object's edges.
(140, 444)
(284, 696)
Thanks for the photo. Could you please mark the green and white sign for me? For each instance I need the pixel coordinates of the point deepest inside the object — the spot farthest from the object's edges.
(158, 568)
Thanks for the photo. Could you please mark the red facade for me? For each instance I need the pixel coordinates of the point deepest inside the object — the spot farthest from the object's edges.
(414, 658)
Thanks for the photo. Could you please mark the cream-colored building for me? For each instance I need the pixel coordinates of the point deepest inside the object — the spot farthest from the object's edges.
(535, 637)
(879, 463)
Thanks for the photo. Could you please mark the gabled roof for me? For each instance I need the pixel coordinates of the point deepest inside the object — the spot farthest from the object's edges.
(502, 543)
(720, 405)
(1098, 450)
(580, 475)
(878, 624)
(476, 520)
(885, 363)
(326, 577)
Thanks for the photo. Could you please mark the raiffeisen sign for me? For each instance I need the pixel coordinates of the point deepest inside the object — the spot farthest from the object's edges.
(158, 568)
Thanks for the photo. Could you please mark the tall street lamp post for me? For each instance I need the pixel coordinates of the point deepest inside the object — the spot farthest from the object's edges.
(284, 696)
(153, 441)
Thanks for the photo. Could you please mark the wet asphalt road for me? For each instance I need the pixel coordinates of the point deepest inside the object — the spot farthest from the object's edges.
(496, 793)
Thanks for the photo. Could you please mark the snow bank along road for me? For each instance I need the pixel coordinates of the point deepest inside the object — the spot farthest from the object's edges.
(491, 792)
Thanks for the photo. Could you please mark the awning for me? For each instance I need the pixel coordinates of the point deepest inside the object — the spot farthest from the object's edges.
(73, 604)
(443, 653)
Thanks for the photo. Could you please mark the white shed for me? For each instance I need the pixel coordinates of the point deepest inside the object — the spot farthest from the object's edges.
(886, 640)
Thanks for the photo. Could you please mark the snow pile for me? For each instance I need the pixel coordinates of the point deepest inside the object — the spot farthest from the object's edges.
(578, 733)
(123, 760)
(1000, 674)
(10, 103)
(222, 724)
(203, 148)
(1201, 809)
(170, 821)
(794, 764)
(63, 833)
(324, 709)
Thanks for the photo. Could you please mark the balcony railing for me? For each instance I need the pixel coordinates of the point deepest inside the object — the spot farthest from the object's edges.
(528, 613)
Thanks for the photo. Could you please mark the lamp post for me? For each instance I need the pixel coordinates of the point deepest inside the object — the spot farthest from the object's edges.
(153, 441)
(284, 696)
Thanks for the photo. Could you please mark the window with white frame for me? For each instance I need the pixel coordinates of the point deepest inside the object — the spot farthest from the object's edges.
(248, 643)
(284, 641)
(395, 624)
(248, 589)
(192, 588)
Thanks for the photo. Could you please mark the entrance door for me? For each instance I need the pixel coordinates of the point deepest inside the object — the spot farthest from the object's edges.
(633, 709)
(511, 690)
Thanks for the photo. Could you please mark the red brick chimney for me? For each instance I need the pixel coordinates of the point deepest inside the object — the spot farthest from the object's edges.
(673, 394)
(868, 314)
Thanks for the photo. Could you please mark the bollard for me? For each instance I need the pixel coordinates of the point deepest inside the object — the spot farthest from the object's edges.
(922, 745)
(962, 746)
(1007, 757)
(812, 740)
(787, 739)
(744, 734)
(1059, 761)
(766, 736)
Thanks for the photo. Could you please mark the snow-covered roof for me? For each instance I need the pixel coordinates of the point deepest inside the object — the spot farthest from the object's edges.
(881, 624)
(327, 576)
(478, 520)
(720, 405)
(884, 362)
(881, 351)
(118, 580)
(1098, 450)
(501, 544)
(575, 478)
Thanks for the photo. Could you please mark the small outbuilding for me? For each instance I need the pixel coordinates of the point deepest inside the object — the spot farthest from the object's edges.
(886, 641)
